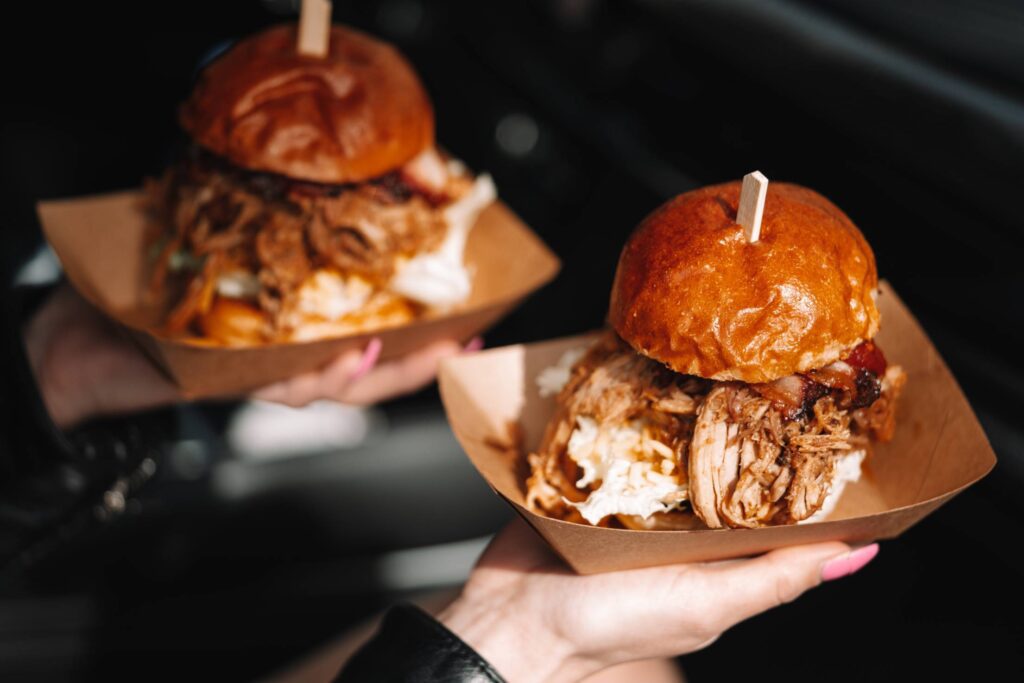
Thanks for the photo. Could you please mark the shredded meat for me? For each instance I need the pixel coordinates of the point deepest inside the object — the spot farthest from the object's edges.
(357, 233)
(752, 455)
(280, 230)
(747, 469)
(878, 420)
(611, 384)
(281, 249)
(198, 297)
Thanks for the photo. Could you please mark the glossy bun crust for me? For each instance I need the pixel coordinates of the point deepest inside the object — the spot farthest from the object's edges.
(354, 115)
(692, 293)
(234, 323)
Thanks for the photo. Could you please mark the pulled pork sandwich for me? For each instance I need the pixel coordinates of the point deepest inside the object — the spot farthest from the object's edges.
(738, 386)
(312, 201)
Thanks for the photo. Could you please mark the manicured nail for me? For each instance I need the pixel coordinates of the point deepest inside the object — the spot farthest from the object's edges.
(369, 359)
(849, 563)
(475, 344)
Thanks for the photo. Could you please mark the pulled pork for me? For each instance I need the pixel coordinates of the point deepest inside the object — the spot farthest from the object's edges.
(612, 385)
(743, 455)
(212, 219)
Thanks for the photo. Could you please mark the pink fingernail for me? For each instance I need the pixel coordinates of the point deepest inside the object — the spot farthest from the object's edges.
(849, 563)
(369, 359)
(475, 344)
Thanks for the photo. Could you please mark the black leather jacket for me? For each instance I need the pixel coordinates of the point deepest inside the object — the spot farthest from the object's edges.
(56, 487)
(412, 647)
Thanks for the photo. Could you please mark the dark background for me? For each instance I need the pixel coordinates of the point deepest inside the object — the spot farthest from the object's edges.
(909, 116)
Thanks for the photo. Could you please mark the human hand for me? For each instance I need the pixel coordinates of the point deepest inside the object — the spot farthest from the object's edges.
(534, 620)
(355, 377)
(85, 367)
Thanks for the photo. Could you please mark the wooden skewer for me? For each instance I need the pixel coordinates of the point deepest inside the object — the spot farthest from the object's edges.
(314, 28)
(752, 194)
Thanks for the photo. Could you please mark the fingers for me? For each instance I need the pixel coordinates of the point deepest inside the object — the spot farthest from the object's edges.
(400, 376)
(356, 377)
(370, 357)
(324, 383)
(746, 588)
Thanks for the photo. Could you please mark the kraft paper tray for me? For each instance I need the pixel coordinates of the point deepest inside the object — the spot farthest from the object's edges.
(100, 241)
(939, 450)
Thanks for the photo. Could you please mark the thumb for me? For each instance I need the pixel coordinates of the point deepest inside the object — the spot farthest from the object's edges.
(753, 586)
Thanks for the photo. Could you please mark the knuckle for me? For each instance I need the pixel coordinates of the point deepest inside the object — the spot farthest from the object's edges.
(708, 632)
(707, 642)
(788, 586)
(292, 399)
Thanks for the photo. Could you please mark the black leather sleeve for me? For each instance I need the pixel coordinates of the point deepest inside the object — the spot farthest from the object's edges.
(56, 487)
(25, 427)
(413, 647)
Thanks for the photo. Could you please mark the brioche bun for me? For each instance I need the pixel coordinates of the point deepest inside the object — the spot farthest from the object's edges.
(234, 322)
(237, 322)
(692, 293)
(382, 311)
(356, 114)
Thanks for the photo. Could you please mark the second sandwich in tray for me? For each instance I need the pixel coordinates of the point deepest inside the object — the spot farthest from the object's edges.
(738, 385)
(310, 213)
(312, 202)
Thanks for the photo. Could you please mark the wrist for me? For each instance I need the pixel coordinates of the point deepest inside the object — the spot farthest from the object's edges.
(65, 409)
(58, 402)
(522, 649)
(83, 367)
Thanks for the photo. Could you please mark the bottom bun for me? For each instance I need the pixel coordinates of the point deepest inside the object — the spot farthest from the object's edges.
(677, 520)
(381, 311)
(234, 322)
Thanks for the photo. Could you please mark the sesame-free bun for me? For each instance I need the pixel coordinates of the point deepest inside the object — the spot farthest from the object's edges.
(692, 293)
(232, 322)
(358, 113)
(238, 322)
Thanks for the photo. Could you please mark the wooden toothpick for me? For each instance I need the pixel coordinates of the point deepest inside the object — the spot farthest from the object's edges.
(314, 28)
(752, 194)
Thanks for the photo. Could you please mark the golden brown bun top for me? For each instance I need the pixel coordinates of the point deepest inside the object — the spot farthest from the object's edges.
(357, 113)
(691, 292)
